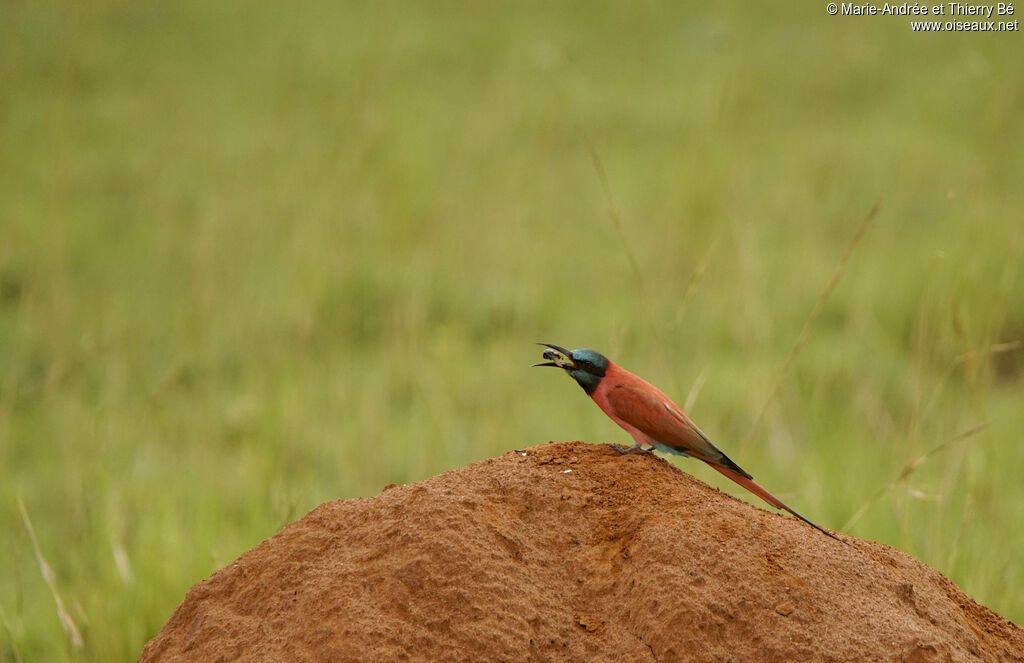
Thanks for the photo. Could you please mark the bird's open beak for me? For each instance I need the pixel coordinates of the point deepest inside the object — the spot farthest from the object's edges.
(559, 357)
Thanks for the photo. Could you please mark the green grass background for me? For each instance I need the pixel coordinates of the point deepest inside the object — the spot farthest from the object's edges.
(257, 256)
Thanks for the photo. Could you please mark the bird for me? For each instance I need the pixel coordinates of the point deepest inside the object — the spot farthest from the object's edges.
(654, 421)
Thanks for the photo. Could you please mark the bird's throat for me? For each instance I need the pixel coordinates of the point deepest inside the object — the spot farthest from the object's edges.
(588, 381)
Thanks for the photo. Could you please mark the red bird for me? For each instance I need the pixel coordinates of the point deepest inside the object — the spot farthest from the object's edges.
(650, 416)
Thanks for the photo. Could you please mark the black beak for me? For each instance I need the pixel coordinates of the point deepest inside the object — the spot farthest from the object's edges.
(557, 348)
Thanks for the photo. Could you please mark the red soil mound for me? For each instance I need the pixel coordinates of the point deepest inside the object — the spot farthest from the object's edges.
(573, 552)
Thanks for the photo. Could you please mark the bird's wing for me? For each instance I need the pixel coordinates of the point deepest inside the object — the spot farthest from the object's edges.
(660, 419)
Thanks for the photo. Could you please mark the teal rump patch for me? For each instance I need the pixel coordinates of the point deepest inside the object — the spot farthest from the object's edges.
(669, 450)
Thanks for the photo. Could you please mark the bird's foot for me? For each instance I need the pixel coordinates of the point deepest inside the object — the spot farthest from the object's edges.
(629, 450)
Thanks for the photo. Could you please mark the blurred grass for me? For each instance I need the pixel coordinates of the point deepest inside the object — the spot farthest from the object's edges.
(254, 258)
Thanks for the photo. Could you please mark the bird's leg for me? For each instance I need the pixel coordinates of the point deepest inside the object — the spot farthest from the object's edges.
(628, 450)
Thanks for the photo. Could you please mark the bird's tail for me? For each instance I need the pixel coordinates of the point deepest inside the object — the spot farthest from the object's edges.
(753, 487)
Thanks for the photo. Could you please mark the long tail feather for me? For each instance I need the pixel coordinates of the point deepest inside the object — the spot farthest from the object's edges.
(753, 487)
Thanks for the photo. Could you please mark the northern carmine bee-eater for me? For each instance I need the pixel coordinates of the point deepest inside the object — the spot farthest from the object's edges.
(650, 416)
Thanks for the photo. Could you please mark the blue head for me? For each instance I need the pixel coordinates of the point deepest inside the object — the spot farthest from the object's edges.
(585, 366)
